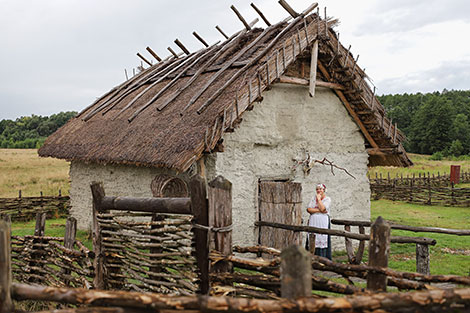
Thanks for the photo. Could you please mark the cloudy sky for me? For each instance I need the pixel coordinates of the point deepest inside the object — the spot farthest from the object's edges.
(59, 55)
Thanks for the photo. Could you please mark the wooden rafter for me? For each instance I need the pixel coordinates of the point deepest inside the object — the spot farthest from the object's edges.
(351, 111)
(305, 82)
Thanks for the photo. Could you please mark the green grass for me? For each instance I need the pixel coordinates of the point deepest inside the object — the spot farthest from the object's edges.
(450, 255)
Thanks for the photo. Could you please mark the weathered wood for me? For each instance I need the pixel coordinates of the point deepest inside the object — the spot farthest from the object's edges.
(431, 300)
(220, 215)
(240, 17)
(198, 37)
(348, 243)
(393, 225)
(40, 224)
(280, 202)
(182, 47)
(379, 248)
(296, 273)
(98, 194)
(153, 205)
(153, 54)
(360, 248)
(144, 59)
(334, 232)
(6, 304)
(199, 208)
(260, 14)
(313, 68)
(288, 8)
(422, 259)
(69, 240)
(304, 82)
(221, 31)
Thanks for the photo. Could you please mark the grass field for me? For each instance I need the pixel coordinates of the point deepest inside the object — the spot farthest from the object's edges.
(24, 169)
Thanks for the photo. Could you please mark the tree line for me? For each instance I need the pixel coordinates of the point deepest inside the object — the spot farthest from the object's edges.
(31, 131)
(435, 123)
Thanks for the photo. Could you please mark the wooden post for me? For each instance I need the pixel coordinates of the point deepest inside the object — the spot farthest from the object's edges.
(422, 259)
(379, 247)
(349, 246)
(199, 209)
(69, 240)
(429, 189)
(296, 273)
(40, 224)
(220, 212)
(6, 304)
(97, 191)
(313, 68)
(360, 249)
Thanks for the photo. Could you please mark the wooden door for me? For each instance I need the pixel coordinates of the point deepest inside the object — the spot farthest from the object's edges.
(280, 202)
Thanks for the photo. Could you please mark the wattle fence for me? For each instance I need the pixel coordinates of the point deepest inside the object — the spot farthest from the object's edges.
(422, 189)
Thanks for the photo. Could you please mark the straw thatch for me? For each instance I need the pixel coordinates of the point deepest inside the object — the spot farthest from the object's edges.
(157, 119)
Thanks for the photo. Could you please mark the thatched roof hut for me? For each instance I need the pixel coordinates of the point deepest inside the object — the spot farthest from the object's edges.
(174, 111)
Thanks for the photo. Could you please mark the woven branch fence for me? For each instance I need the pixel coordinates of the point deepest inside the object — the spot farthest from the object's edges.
(26, 208)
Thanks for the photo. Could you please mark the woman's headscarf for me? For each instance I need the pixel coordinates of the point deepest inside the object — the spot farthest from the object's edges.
(322, 186)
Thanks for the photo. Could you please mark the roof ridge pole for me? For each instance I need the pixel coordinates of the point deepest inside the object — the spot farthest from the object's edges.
(200, 39)
(182, 47)
(260, 14)
(288, 8)
(153, 54)
(240, 17)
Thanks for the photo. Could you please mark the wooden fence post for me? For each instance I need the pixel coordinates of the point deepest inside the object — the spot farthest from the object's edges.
(422, 259)
(379, 247)
(199, 207)
(430, 189)
(6, 304)
(296, 273)
(220, 217)
(349, 246)
(97, 191)
(37, 253)
(69, 240)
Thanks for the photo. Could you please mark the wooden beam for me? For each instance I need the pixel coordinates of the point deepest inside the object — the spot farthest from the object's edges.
(345, 101)
(260, 14)
(200, 39)
(305, 82)
(288, 8)
(240, 17)
(153, 54)
(221, 31)
(144, 59)
(182, 47)
(313, 68)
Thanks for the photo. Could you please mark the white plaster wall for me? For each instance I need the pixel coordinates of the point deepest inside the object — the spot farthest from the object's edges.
(286, 124)
(118, 180)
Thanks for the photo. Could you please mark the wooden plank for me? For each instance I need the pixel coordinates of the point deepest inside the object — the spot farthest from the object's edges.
(304, 82)
(379, 248)
(220, 209)
(313, 68)
(6, 304)
(199, 207)
(296, 273)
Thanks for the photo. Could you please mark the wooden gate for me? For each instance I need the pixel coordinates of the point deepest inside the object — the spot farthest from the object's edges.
(280, 202)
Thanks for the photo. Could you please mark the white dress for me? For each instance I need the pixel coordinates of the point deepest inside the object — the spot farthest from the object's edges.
(320, 220)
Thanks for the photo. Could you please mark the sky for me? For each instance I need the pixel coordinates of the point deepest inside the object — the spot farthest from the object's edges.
(60, 55)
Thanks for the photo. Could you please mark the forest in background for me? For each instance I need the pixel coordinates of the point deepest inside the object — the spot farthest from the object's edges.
(435, 123)
(31, 131)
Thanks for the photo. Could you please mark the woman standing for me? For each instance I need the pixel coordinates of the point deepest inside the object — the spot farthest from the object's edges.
(319, 209)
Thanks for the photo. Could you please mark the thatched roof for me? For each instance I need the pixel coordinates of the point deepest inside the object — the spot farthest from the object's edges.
(172, 112)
